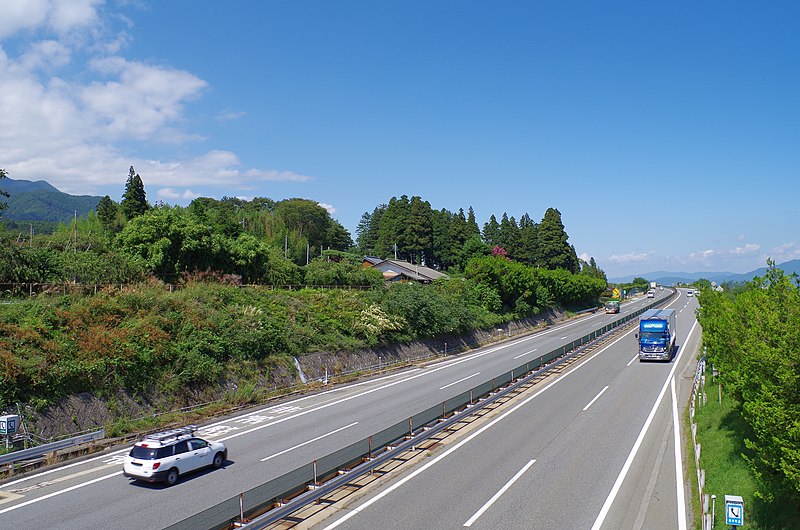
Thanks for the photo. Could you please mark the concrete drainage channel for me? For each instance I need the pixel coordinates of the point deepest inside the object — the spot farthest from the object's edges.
(312, 503)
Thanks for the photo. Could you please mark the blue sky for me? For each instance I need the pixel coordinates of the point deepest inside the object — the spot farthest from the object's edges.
(668, 136)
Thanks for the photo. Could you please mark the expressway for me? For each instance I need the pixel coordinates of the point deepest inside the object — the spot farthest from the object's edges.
(599, 447)
(267, 442)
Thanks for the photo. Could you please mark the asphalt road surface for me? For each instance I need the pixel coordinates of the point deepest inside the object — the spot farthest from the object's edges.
(596, 448)
(578, 453)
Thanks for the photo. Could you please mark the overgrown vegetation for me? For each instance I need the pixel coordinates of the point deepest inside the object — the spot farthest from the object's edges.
(753, 339)
(143, 338)
(250, 296)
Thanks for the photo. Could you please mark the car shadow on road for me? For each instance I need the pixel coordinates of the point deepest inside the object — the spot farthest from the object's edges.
(187, 478)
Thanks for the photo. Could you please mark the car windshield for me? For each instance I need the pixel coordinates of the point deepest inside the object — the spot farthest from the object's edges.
(150, 453)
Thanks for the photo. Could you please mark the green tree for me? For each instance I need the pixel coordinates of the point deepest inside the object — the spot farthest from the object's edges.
(527, 247)
(107, 214)
(554, 250)
(472, 225)
(491, 232)
(752, 339)
(368, 232)
(417, 231)
(591, 269)
(364, 243)
(509, 235)
(392, 231)
(134, 200)
(445, 244)
(3, 205)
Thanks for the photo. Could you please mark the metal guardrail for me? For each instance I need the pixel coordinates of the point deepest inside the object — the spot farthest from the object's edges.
(41, 450)
(254, 500)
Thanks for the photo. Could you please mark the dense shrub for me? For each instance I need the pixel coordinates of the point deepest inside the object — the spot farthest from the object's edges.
(753, 339)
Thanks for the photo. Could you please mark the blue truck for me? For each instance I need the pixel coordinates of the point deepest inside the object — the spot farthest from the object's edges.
(656, 335)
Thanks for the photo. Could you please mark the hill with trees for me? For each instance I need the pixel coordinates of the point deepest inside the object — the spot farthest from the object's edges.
(39, 201)
(186, 302)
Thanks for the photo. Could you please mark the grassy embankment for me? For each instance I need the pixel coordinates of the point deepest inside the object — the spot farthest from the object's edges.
(722, 431)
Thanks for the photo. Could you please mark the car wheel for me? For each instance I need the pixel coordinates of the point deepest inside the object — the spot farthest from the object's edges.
(218, 460)
(172, 477)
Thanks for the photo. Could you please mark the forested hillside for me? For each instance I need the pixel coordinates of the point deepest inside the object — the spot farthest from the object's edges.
(39, 201)
(753, 339)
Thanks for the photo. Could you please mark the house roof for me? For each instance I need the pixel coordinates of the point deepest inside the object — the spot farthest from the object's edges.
(409, 270)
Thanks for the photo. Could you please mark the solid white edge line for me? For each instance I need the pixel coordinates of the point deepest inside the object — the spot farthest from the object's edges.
(595, 398)
(526, 353)
(459, 381)
(678, 460)
(354, 511)
(59, 492)
(309, 441)
(499, 494)
(442, 365)
(621, 477)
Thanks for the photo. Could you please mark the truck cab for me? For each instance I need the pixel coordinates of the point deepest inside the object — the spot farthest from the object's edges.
(656, 335)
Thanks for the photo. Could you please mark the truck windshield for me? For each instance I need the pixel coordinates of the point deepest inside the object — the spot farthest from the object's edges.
(655, 335)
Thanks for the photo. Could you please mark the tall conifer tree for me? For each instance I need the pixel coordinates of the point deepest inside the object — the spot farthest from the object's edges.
(134, 200)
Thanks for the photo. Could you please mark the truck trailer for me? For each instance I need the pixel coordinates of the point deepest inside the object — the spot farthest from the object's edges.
(656, 335)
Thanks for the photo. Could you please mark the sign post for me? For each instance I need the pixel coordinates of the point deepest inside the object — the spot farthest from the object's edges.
(734, 510)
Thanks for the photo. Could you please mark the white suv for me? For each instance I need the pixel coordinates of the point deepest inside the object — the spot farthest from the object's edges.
(164, 456)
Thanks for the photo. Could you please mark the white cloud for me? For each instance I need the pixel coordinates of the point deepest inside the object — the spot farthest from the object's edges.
(631, 257)
(331, 209)
(171, 194)
(785, 252)
(72, 114)
(230, 115)
(60, 16)
(750, 248)
(68, 14)
(216, 168)
(140, 101)
(703, 255)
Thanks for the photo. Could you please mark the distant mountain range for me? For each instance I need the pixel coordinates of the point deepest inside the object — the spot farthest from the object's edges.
(670, 278)
(40, 201)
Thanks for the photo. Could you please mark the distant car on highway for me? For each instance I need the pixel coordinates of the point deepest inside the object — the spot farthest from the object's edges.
(651, 293)
(165, 456)
(689, 293)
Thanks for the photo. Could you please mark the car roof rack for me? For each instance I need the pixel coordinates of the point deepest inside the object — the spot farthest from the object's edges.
(172, 433)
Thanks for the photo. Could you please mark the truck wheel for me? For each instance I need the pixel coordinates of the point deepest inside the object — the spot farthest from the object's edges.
(172, 477)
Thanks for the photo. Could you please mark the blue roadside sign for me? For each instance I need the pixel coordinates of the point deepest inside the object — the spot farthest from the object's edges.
(734, 510)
